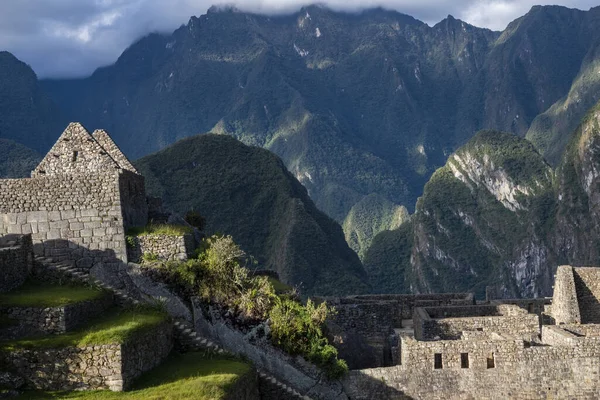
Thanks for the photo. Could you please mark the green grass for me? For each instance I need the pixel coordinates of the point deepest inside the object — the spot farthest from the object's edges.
(36, 294)
(160, 229)
(115, 326)
(184, 376)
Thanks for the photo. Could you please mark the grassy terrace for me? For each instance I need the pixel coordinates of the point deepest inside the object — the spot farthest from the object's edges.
(36, 294)
(114, 326)
(182, 376)
(160, 229)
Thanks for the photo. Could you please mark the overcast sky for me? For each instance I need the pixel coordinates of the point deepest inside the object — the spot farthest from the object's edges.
(68, 38)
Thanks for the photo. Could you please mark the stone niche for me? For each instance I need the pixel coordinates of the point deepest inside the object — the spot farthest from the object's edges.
(111, 366)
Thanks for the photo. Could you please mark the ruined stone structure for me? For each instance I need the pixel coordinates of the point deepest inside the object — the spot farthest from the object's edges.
(163, 247)
(79, 200)
(518, 349)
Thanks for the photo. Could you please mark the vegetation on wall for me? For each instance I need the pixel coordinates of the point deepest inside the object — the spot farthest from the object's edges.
(219, 277)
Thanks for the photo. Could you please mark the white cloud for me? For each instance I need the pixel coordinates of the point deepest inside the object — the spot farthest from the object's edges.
(73, 37)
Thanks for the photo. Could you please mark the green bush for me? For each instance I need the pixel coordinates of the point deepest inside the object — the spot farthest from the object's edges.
(149, 257)
(159, 229)
(218, 277)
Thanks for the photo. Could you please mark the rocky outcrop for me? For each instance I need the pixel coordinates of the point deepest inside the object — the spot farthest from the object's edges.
(498, 215)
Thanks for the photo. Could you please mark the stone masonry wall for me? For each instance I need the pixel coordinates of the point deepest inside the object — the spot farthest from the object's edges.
(510, 320)
(109, 366)
(16, 261)
(165, 247)
(70, 217)
(539, 378)
(55, 319)
(587, 284)
(565, 308)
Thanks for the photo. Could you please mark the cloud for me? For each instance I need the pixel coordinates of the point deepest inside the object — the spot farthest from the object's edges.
(71, 38)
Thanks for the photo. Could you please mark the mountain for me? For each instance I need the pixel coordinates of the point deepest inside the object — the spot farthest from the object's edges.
(497, 215)
(355, 104)
(27, 115)
(247, 192)
(16, 160)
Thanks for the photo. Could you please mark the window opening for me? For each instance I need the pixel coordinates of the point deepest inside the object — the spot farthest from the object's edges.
(464, 360)
(491, 362)
(437, 361)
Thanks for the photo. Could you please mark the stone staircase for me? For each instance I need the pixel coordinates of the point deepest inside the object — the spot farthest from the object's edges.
(184, 332)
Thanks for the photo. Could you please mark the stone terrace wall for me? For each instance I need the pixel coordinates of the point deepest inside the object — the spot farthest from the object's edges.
(452, 321)
(110, 366)
(565, 308)
(587, 284)
(71, 368)
(16, 261)
(54, 319)
(165, 247)
(70, 217)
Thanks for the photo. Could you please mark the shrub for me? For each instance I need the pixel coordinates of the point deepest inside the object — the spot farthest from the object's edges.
(218, 276)
(149, 257)
(159, 229)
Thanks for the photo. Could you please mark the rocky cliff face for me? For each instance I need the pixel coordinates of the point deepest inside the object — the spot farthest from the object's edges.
(498, 215)
(354, 104)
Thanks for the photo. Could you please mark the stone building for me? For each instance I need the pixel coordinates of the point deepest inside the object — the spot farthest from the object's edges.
(517, 349)
(79, 201)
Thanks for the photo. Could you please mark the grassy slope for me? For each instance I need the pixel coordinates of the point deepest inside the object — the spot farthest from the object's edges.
(37, 294)
(247, 192)
(114, 326)
(181, 377)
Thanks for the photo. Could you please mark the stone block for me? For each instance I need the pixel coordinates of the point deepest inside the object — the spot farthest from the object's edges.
(98, 232)
(37, 216)
(14, 229)
(89, 213)
(76, 226)
(67, 214)
(86, 233)
(53, 234)
(54, 216)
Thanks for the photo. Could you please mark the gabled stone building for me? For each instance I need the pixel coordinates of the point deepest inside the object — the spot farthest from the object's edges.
(79, 201)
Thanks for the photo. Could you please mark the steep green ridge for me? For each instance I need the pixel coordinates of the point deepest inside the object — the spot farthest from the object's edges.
(16, 160)
(371, 215)
(27, 115)
(354, 104)
(248, 193)
(497, 215)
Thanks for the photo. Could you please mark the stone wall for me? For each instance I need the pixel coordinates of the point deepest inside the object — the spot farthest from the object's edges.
(587, 284)
(109, 366)
(565, 308)
(365, 324)
(434, 323)
(540, 378)
(53, 319)
(70, 217)
(408, 302)
(165, 247)
(16, 261)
